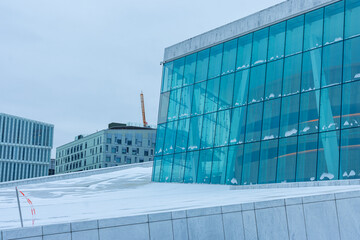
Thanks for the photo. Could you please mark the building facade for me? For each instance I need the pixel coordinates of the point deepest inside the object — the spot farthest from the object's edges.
(270, 98)
(25, 148)
(117, 145)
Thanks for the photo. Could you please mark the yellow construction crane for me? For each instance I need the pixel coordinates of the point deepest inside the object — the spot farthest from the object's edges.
(143, 109)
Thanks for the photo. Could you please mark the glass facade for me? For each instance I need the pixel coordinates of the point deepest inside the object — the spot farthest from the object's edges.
(280, 104)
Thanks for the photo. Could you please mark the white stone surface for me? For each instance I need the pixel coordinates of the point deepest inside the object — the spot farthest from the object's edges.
(180, 229)
(161, 230)
(88, 235)
(233, 226)
(271, 223)
(349, 218)
(134, 232)
(296, 222)
(206, 227)
(250, 230)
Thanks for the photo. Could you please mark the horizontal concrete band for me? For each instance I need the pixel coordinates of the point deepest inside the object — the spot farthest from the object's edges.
(65, 176)
(326, 216)
(264, 18)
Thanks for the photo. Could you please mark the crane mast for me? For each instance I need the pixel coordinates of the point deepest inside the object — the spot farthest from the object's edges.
(143, 109)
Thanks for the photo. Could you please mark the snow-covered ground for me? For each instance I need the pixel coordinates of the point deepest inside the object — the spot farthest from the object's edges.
(128, 192)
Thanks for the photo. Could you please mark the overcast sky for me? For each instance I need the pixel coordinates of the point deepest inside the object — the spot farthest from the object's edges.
(81, 64)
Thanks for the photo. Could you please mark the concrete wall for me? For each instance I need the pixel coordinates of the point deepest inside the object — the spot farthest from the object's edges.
(327, 216)
(243, 26)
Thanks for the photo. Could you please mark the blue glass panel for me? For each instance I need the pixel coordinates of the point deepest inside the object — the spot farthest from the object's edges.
(251, 163)
(237, 129)
(257, 84)
(313, 29)
(292, 75)
(215, 61)
(294, 35)
(178, 73)
(330, 107)
(268, 161)
(195, 133)
(191, 166)
(202, 64)
(234, 166)
(229, 58)
(167, 76)
(218, 172)
(271, 119)
(309, 112)
(174, 104)
(351, 105)
(205, 164)
(197, 105)
(334, 22)
(244, 52)
(352, 60)
(222, 128)
(166, 168)
(287, 160)
(349, 154)
(190, 68)
(178, 168)
(260, 46)
(170, 137)
(241, 86)
(182, 135)
(328, 156)
(208, 131)
(276, 41)
(307, 158)
(186, 98)
(156, 169)
(212, 95)
(160, 136)
(332, 64)
(274, 74)
(352, 15)
(254, 122)
(311, 71)
(226, 91)
(289, 116)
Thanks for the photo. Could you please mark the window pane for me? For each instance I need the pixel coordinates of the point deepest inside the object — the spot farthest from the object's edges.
(195, 133)
(174, 104)
(156, 169)
(253, 124)
(186, 97)
(226, 91)
(330, 106)
(274, 73)
(208, 132)
(292, 75)
(182, 135)
(332, 64)
(202, 64)
(287, 160)
(170, 136)
(198, 99)
(205, 164)
(160, 136)
(237, 132)
(212, 95)
(189, 72)
(351, 105)
(260, 44)
(241, 86)
(192, 159)
(257, 83)
(271, 120)
(289, 116)
(229, 58)
(166, 168)
(334, 22)
(306, 158)
(244, 52)
(294, 35)
(311, 70)
(352, 15)
(167, 76)
(163, 107)
(349, 153)
(222, 128)
(309, 112)
(218, 171)
(352, 60)
(276, 41)
(251, 163)
(328, 156)
(178, 73)
(268, 161)
(215, 61)
(313, 29)
(178, 168)
(234, 167)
